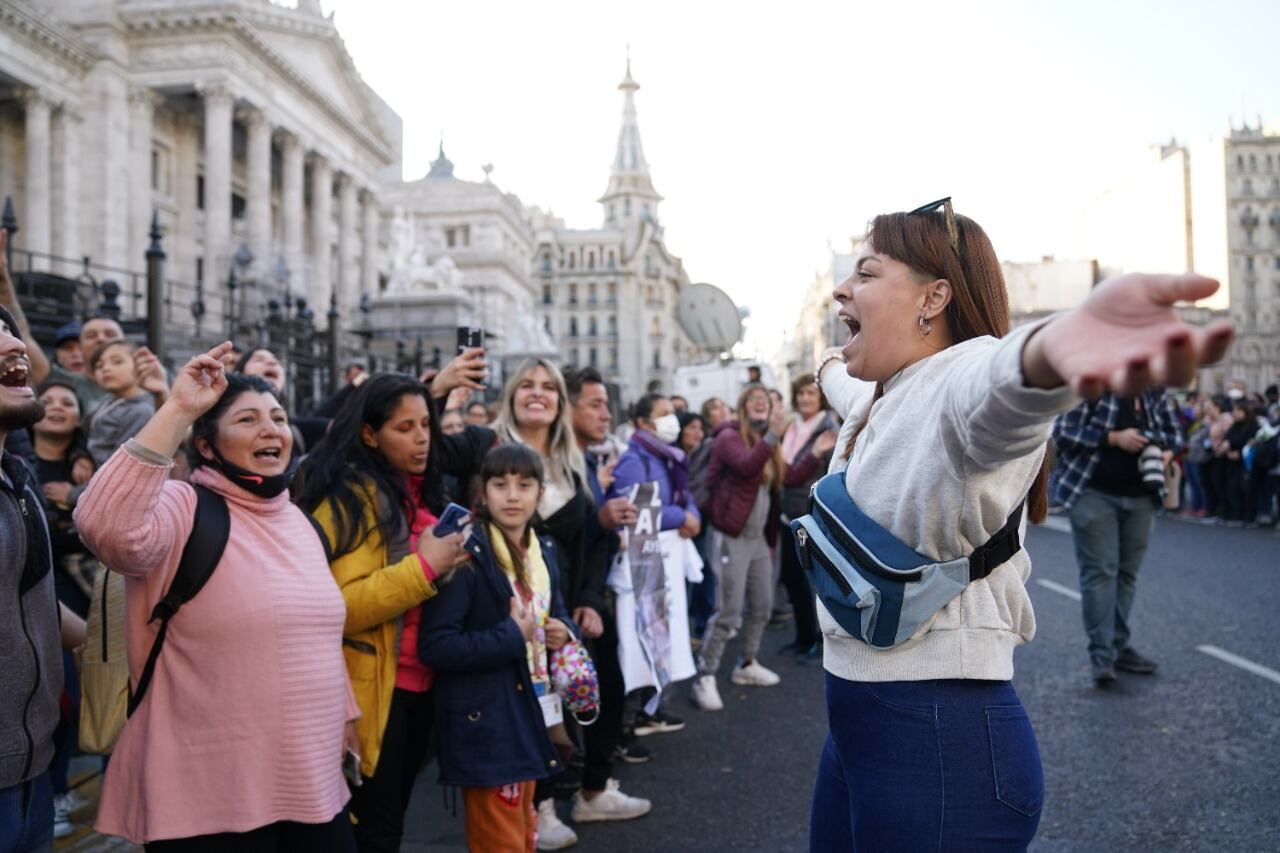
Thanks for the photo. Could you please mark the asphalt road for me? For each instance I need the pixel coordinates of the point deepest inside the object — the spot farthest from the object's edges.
(1186, 760)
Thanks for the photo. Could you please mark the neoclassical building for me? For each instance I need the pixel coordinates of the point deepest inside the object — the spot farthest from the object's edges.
(243, 124)
(608, 295)
(459, 253)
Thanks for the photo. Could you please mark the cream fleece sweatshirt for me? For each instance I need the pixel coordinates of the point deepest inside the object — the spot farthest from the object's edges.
(950, 449)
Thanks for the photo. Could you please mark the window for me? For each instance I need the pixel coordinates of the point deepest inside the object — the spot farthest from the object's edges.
(199, 192)
(573, 260)
(200, 270)
(451, 237)
(546, 294)
(546, 262)
(1248, 186)
(546, 324)
(155, 169)
(613, 320)
(611, 291)
(1253, 163)
(573, 327)
(655, 326)
(591, 260)
(237, 206)
(1278, 262)
(612, 263)
(657, 360)
(592, 329)
(1248, 263)
(626, 207)
(573, 294)
(612, 213)
(592, 358)
(591, 293)
(1240, 162)
(613, 358)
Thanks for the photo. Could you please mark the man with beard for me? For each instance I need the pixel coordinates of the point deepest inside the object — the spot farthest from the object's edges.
(30, 621)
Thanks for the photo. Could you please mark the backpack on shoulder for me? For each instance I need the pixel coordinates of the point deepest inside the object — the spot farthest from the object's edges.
(106, 698)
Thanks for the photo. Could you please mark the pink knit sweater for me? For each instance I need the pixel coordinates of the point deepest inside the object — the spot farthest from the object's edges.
(242, 725)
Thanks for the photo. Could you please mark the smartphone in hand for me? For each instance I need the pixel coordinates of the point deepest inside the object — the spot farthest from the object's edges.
(453, 519)
(351, 769)
(470, 337)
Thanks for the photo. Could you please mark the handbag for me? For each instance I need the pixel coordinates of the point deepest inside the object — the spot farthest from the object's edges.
(104, 667)
(573, 677)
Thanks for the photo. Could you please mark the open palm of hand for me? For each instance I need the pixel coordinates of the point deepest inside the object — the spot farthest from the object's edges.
(1127, 335)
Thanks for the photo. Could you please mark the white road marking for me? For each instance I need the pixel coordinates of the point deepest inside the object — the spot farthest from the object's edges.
(1243, 663)
(1058, 523)
(1059, 588)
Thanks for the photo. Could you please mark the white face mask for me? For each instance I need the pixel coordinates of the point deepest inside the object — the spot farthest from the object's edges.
(667, 428)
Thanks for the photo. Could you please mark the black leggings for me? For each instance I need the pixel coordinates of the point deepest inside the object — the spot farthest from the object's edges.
(798, 590)
(605, 735)
(283, 837)
(380, 803)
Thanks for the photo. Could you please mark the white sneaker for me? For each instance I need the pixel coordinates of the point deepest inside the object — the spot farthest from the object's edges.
(552, 832)
(706, 695)
(754, 674)
(62, 817)
(609, 804)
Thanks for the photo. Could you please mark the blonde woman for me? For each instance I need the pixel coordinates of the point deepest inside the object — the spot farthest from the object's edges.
(746, 470)
(535, 411)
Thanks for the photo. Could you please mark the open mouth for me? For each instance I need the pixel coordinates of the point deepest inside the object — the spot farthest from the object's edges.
(268, 453)
(16, 374)
(854, 326)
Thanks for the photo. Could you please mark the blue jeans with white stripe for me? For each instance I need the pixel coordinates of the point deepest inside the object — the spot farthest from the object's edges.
(947, 765)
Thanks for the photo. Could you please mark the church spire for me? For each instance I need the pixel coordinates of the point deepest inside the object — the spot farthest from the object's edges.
(630, 195)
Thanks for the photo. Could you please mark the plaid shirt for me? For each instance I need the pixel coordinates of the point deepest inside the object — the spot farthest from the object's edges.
(1081, 433)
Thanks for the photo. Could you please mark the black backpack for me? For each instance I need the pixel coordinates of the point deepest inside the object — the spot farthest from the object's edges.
(200, 556)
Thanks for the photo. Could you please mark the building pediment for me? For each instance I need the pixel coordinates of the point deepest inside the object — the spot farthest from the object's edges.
(303, 50)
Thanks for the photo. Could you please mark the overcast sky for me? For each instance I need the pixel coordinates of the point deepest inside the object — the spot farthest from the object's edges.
(775, 131)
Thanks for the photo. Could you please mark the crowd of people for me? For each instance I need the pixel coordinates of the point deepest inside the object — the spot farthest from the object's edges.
(331, 620)
(316, 607)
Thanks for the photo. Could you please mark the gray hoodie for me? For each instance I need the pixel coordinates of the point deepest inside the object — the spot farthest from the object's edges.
(31, 678)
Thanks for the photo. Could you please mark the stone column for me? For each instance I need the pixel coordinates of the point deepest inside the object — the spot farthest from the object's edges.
(321, 232)
(36, 219)
(142, 109)
(369, 245)
(183, 247)
(217, 180)
(292, 214)
(66, 211)
(347, 281)
(258, 185)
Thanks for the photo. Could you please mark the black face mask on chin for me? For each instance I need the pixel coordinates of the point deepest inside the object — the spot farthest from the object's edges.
(261, 485)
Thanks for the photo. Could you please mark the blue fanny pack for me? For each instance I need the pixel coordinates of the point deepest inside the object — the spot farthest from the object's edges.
(877, 588)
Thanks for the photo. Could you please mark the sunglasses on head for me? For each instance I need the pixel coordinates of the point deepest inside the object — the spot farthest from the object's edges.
(953, 230)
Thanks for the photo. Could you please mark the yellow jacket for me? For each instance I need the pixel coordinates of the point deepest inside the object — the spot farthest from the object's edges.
(377, 595)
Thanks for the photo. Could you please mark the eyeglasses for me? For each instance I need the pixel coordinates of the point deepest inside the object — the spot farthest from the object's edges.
(953, 230)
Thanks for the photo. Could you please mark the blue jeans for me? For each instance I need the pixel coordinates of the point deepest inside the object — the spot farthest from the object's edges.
(1111, 535)
(926, 765)
(26, 816)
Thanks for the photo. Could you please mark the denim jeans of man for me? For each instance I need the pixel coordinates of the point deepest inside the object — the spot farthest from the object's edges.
(949, 765)
(26, 816)
(1111, 535)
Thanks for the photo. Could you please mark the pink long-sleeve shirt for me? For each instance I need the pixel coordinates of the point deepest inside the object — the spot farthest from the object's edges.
(243, 723)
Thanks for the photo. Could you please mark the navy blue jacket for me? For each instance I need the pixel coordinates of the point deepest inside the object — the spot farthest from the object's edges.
(489, 728)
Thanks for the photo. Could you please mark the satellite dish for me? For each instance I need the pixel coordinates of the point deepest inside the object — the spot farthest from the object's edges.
(709, 317)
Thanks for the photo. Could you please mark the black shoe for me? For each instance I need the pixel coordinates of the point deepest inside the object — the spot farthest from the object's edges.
(1130, 661)
(633, 753)
(794, 648)
(811, 656)
(659, 723)
(1104, 673)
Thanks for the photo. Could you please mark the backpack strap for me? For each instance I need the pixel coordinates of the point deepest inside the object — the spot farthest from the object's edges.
(209, 531)
(324, 539)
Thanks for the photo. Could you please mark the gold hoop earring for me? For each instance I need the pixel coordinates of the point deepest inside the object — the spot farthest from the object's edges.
(924, 326)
